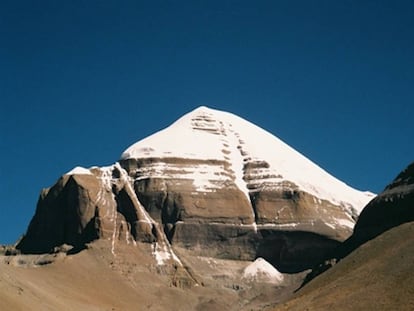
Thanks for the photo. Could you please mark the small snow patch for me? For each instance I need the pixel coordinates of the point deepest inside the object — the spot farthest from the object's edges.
(345, 223)
(262, 271)
(79, 171)
(163, 253)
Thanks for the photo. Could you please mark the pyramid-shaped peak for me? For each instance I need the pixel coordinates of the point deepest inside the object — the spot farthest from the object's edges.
(217, 113)
(206, 113)
(249, 151)
(203, 109)
(199, 134)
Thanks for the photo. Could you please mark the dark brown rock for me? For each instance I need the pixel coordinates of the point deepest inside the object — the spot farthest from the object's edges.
(80, 208)
(289, 251)
(290, 228)
(394, 206)
(391, 208)
(287, 205)
(173, 199)
(65, 214)
(224, 241)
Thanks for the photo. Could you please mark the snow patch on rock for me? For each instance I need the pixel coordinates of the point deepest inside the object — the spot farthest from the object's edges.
(78, 170)
(163, 253)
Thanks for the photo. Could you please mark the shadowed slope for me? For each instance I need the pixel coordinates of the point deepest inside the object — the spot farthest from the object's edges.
(375, 264)
(376, 276)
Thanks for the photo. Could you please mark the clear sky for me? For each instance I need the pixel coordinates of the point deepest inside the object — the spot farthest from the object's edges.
(82, 80)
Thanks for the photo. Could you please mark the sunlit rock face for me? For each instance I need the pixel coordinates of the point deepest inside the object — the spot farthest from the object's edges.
(85, 205)
(212, 183)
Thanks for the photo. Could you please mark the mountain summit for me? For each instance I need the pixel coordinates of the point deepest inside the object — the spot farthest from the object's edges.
(245, 155)
(212, 184)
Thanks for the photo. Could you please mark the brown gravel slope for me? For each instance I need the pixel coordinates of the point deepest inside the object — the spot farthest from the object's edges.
(93, 280)
(96, 279)
(379, 275)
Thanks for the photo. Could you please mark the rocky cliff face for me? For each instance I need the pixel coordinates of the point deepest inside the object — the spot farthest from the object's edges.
(211, 183)
(85, 205)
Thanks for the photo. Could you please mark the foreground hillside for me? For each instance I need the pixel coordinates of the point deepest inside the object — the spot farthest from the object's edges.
(96, 279)
(376, 276)
(375, 264)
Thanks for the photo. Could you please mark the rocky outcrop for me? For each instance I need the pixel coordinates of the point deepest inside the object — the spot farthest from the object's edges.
(170, 197)
(82, 207)
(393, 207)
(65, 213)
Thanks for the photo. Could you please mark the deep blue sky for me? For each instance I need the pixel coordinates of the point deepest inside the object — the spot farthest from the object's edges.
(82, 80)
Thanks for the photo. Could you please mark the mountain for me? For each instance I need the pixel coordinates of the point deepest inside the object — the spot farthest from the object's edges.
(372, 270)
(210, 213)
(212, 183)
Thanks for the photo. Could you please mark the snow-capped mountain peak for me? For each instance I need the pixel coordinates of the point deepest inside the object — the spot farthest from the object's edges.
(213, 184)
(257, 158)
